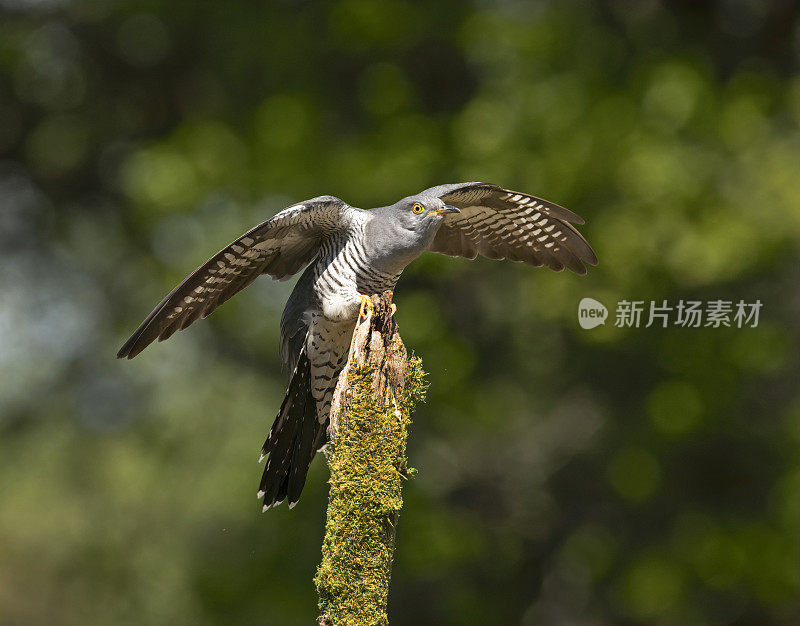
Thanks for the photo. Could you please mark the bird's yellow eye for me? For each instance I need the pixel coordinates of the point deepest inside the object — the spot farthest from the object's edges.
(418, 208)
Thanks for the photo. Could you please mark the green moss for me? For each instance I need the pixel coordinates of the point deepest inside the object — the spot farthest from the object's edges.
(368, 467)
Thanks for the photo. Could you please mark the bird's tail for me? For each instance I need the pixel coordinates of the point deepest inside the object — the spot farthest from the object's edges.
(293, 440)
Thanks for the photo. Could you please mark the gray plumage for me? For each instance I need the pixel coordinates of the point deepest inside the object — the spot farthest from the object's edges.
(347, 252)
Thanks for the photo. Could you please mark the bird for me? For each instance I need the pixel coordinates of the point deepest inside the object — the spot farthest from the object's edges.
(347, 254)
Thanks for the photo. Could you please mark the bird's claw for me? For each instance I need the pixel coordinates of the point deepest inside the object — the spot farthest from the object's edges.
(367, 306)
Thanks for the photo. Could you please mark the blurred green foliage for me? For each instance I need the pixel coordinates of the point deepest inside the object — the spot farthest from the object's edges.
(565, 476)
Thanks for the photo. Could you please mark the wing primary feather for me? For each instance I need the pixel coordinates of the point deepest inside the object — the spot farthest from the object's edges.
(237, 265)
(500, 223)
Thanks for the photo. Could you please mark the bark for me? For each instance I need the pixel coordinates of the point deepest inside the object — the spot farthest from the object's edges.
(370, 415)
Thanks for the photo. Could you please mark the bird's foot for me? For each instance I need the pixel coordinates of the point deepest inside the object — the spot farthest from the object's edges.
(367, 307)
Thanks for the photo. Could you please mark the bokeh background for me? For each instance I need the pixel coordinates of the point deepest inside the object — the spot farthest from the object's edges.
(566, 476)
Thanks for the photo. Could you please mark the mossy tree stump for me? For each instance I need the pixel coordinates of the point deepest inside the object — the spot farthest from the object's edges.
(369, 417)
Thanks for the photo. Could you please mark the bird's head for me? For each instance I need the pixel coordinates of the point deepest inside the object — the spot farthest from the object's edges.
(405, 229)
(421, 215)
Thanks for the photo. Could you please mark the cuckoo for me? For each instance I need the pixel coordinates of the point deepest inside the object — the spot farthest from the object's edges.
(348, 254)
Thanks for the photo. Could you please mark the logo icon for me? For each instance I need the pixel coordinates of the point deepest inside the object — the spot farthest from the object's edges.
(591, 313)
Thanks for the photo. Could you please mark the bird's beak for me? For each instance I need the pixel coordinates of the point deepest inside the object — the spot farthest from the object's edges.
(447, 209)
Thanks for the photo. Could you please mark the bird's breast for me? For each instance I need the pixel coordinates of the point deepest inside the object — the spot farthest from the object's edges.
(343, 272)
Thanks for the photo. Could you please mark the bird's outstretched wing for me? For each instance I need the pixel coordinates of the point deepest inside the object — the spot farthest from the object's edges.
(501, 224)
(280, 247)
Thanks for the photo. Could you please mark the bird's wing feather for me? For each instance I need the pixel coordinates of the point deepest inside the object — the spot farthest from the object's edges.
(280, 247)
(499, 223)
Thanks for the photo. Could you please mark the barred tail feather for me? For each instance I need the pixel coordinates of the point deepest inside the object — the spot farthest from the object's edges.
(292, 441)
